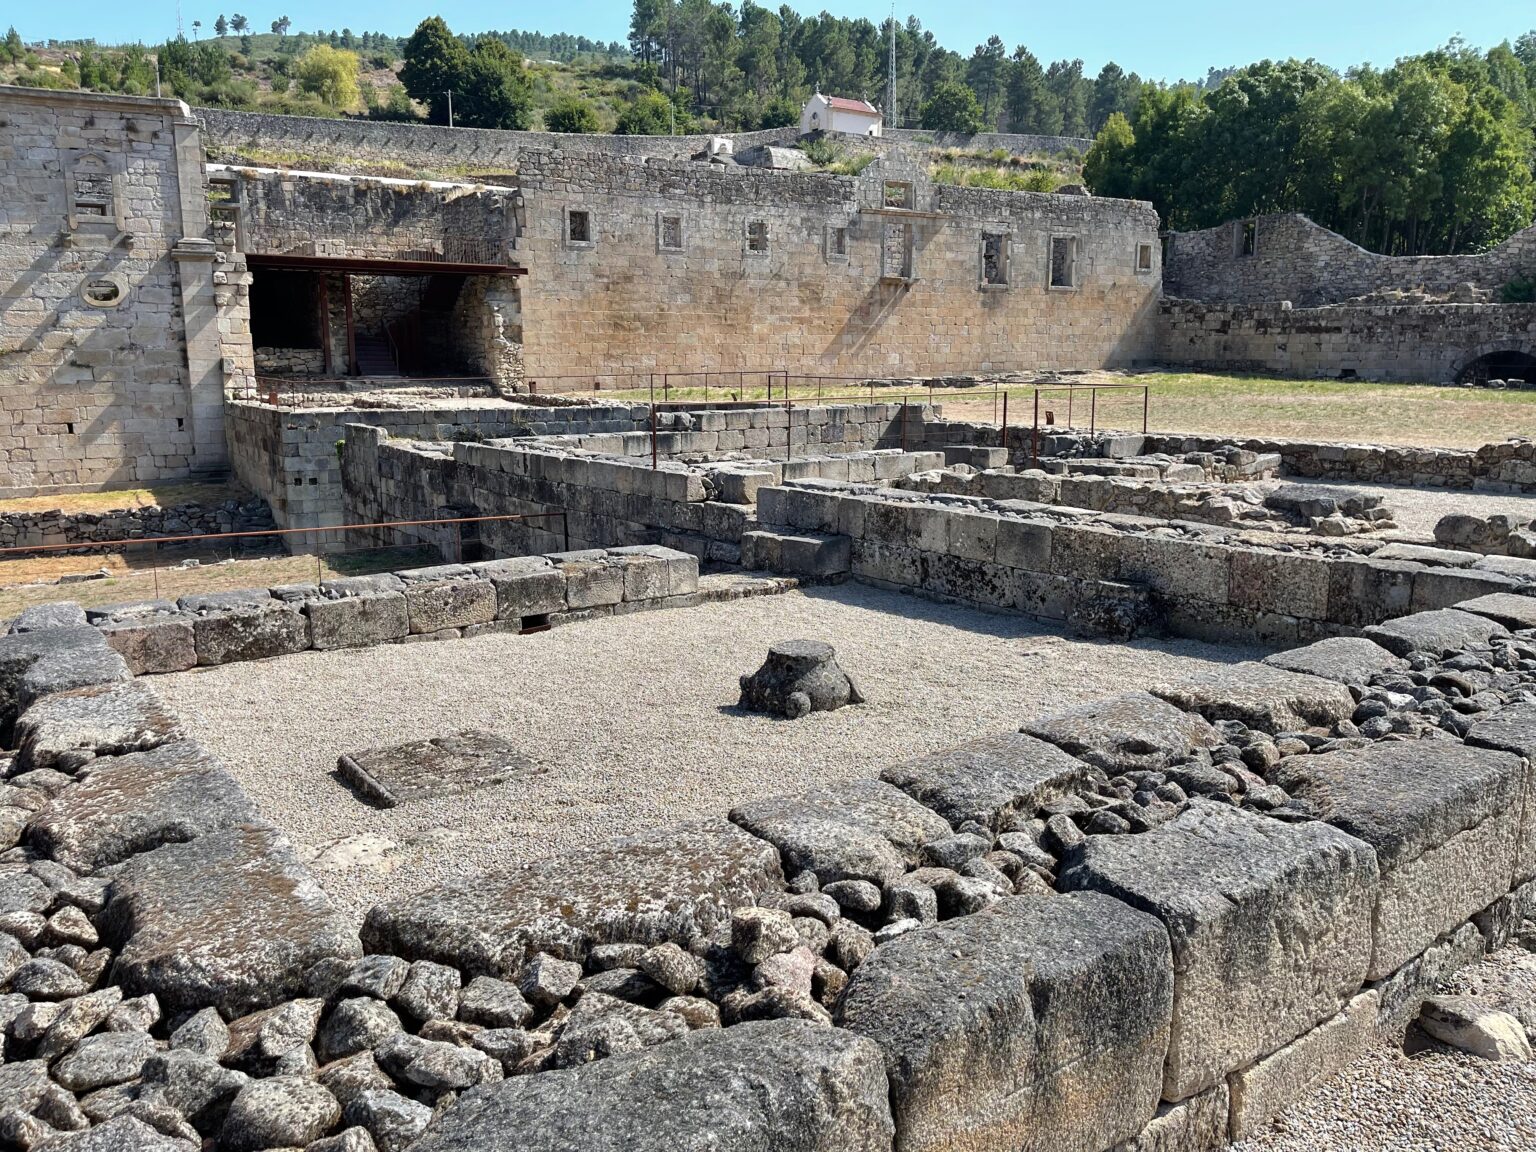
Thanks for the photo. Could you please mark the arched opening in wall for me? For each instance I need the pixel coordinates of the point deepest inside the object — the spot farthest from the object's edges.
(1507, 365)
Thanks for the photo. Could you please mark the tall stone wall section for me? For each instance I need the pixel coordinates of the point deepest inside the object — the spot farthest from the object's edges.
(1427, 344)
(643, 293)
(1294, 259)
(113, 357)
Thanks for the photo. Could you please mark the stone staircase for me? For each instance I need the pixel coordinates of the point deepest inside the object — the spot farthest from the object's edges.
(374, 356)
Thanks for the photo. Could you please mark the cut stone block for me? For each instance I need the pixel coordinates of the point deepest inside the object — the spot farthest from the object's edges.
(59, 614)
(441, 766)
(784, 1085)
(1270, 925)
(1344, 659)
(1506, 608)
(1513, 729)
(1438, 633)
(33, 664)
(1036, 1024)
(226, 630)
(593, 583)
(669, 884)
(1285, 1078)
(153, 644)
(1263, 697)
(1126, 733)
(68, 729)
(863, 830)
(438, 598)
(1424, 554)
(525, 586)
(1442, 818)
(1405, 990)
(804, 554)
(231, 920)
(123, 805)
(1198, 1124)
(358, 621)
(987, 779)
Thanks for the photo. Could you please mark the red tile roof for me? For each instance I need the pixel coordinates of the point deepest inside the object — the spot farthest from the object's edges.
(845, 105)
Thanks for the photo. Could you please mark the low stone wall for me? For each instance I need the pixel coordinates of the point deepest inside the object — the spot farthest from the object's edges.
(37, 529)
(1110, 573)
(1424, 344)
(894, 962)
(290, 361)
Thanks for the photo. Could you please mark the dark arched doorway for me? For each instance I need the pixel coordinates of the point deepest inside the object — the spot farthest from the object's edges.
(1507, 365)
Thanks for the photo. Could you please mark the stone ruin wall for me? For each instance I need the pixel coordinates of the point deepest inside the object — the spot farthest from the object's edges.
(828, 932)
(128, 393)
(622, 304)
(1305, 263)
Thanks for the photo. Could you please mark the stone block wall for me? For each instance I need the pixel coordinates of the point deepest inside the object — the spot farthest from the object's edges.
(112, 346)
(35, 529)
(704, 267)
(1426, 344)
(1297, 260)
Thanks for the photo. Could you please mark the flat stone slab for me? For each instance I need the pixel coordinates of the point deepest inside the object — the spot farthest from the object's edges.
(985, 779)
(441, 766)
(231, 920)
(33, 664)
(124, 805)
(784, 1085)
(1424, 554)
(1035, 1023)
(1270, 925)
(1513, 611)
(1511, 729)
(668, 884)
(59, 614)
(1136, 731)
(863, 830)
(68, 729)
(1439, 632)
(1263, 697)
(1443, 819)
(1345, 659)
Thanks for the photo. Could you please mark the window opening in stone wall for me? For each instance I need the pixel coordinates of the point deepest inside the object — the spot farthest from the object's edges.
(671, 239)
(1143, 257)
(897, 194)
(1248, 238)
(285, 310)
(1063, 262)
(837, 242)
(757, 237)
(896, 251)
(92, 191)
(578, 226)
(102, 292)
(994, 258)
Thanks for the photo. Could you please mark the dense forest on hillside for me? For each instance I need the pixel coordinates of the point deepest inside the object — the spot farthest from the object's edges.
(1434, 154)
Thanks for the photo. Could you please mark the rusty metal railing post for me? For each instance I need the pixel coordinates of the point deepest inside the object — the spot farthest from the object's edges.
(653, 438)
(1093, 410)
(903, 423)
(1146, 404)
(1071, 395)
(1003, 437)
(565, 528)
(1034, 439)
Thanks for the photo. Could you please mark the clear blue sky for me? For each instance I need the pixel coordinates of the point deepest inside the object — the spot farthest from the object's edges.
(1167, 40)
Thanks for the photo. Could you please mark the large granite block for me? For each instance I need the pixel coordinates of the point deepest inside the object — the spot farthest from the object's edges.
(863, 830)
(1133, 731)
(1270, 925)
(245, 630)
(1513, 729)
(1173, 566)
(669, 884)
(33, 664)
(447, 597)
(152, 644)
(1263, 697)
(358, 621)
(1366, 590)
(230, 920)
(1345, 659)
(1035, 1024)
(767, 1086)
(68, 729)
(1438, 633)
(123, 805)
(1443, 820)
(1512, 611)
(525, 586)
(986, 779)
(1291, 583)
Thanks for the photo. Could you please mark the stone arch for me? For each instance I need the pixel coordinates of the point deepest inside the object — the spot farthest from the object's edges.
(1503, 360)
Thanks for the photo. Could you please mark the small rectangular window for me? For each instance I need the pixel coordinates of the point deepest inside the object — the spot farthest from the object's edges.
(578, 226)
(1063, 262)
(1248, 238)
(896, 251)
(757, 237)
(1143, 257)
(837, 242)
(994, 258)
(669, 233)
(897, 194)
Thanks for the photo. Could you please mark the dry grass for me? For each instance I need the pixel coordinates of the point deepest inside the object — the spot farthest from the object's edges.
(162, 495)
(1239, 406)
(145, 577)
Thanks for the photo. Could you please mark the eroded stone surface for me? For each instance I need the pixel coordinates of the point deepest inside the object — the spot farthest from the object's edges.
(1263, 697)
(988, 778)
(440, 766)
(1346, 659)
(1504, 608)
(670, 884)
(1439, 632)
(1136, 731)
(68, 729)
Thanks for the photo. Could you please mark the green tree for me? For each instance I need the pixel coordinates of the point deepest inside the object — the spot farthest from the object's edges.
(571, 113)
(239, 23)
(649, 114)
(1072, 91)
(986, 74)
(953, 108)
(1113, 91)
(331, 74)
(436, 62)
(220, 26)
(11, 48)
(281, 25)
(1109, 169)
(1032, 107)
(496, 87)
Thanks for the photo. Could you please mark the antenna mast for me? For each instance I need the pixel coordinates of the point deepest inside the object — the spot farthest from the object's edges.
(890, 80)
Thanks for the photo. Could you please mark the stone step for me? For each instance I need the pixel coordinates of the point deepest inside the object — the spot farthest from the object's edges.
(798, 554)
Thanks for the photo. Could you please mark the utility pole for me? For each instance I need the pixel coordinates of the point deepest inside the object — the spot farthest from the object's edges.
(450, 107)
(890, 80)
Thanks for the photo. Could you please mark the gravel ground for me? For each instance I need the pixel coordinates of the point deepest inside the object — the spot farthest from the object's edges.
(1417, 510)
(1427, 1099)
(630, 719)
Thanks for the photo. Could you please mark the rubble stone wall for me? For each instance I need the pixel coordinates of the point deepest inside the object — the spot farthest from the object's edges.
(692, 267)
(35, 529)
(1425, 344)
(1297, 260)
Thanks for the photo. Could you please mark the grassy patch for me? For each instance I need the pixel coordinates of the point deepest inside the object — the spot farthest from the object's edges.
(163, 495)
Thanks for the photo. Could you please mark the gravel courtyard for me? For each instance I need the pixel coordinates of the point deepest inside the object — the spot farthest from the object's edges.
(630, 720)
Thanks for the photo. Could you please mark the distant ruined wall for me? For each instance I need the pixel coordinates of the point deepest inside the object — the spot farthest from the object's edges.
(1294, 259)
(704, 267)
(1413, 343)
